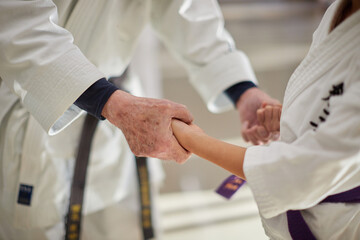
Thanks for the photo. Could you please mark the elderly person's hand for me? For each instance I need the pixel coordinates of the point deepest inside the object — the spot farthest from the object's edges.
(248, 105)
(146, 124)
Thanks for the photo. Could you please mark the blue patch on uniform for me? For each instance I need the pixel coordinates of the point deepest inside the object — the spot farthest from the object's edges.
(25, 192)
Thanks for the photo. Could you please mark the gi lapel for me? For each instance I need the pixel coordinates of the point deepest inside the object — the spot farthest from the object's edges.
(337, 44)
(7, 100)
(32, 196)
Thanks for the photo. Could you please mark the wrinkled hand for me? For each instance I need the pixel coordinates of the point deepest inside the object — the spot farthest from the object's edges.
(146, 124)
(248, 104)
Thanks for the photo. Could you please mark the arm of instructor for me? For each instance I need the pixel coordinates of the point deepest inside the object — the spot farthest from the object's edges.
(40, 63)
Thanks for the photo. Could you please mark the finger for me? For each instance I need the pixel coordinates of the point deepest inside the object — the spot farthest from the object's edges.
(176, 126)
(275, 126)
(268, 117)
(180, 131)
(260, 116)
(263, 133)
(196, 127)
(179, 153)
(253, 135)
(244, 128)
(252, 139)
(182, 113)
(275, 136)
(280, 111)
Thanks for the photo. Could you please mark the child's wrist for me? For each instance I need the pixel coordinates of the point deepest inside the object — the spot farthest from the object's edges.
(194, 140)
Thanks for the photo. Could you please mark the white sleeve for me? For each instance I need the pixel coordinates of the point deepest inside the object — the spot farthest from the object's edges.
(318, 164)
(40, 63)
(194, 32)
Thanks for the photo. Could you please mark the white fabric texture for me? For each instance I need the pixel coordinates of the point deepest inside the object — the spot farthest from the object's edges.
(311, 163)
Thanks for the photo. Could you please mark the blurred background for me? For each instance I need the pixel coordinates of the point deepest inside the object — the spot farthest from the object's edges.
(276, 35)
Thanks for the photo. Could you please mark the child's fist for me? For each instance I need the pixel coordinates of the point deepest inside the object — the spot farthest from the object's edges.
(269, 117)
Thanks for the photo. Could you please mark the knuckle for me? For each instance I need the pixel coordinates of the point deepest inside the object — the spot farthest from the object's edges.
(183, 106)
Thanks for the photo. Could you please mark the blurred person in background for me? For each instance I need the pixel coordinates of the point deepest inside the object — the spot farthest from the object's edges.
(55, 59)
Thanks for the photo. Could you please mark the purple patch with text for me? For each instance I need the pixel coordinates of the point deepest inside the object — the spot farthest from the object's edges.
(230, 186)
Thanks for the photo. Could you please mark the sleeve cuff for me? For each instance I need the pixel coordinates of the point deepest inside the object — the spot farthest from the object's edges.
(256, 179)
(95, 97)
(57, 86)
(234, 92)
(212, 80)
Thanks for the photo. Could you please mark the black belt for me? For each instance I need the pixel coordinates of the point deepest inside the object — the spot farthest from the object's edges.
(73, 218)
(145, 197)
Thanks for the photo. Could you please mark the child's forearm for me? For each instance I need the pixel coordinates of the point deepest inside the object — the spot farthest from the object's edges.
(225, 155)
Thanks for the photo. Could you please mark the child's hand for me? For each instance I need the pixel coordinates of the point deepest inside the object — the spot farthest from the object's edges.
(269, 117)
(184, 132)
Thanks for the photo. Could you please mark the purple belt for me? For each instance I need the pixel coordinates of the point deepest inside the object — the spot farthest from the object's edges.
(298, 228)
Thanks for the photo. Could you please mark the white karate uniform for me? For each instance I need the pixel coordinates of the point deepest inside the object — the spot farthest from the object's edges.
(50, 53)
(321, 158)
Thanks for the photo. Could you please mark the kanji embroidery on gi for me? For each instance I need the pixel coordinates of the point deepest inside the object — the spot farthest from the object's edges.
(336, 90)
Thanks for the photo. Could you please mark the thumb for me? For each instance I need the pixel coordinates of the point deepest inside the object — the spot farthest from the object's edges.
(183, 114)
(244, 128)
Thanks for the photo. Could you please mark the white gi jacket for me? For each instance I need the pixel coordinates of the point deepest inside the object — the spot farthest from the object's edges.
(42, 65)
(318, 154)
